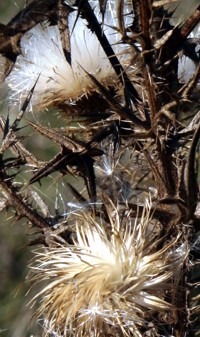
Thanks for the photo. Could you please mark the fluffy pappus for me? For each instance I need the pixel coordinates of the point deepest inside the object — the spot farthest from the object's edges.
(42, 59)
(111, 280)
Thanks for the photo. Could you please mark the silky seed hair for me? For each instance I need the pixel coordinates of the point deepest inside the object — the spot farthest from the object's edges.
(111, 279)
(42, 59)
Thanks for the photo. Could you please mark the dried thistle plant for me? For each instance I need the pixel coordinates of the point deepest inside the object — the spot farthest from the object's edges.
(116, 211)
(113, 279)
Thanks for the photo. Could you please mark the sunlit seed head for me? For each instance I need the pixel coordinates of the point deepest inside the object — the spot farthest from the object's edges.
(110, 280)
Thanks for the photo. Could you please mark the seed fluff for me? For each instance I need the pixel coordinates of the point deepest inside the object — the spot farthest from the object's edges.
(111, 280)
(42, 56)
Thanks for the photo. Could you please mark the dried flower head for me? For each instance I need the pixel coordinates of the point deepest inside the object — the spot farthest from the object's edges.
(111, 280)
(60, 79)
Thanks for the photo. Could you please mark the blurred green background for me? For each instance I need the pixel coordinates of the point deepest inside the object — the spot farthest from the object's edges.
(9, 8)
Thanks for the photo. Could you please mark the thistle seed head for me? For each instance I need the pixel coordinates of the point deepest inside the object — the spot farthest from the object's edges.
(58, 80)
(111, 280)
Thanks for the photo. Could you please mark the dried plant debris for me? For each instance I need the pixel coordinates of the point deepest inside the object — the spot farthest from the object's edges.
(112, 89)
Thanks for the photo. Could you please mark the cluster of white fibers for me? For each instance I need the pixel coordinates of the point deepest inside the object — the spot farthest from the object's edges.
(111, 280)
(42, 58)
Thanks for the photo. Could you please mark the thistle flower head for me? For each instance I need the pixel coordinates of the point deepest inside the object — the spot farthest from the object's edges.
(43, 60)
(111, 280)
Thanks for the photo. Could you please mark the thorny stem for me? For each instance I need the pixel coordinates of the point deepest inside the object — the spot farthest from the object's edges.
(88, 13)
(22, 208)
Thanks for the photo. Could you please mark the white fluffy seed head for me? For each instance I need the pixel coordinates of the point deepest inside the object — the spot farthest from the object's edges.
(43, 58)
(110, 280)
